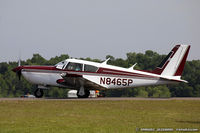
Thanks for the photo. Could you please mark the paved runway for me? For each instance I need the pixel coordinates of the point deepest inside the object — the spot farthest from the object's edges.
(101, 99)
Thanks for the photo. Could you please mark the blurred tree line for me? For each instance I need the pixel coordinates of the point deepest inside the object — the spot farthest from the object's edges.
(11, 87)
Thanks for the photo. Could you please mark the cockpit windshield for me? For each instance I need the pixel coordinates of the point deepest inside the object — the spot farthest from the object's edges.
(60, 65)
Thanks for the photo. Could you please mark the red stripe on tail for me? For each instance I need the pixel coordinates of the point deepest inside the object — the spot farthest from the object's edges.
(159, 69)
(182, 64)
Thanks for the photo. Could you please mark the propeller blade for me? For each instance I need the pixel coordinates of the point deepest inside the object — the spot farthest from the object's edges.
(19, 73)
(19, 62)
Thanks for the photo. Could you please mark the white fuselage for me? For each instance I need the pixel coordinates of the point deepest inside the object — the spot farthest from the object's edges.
(86, 75)
(107, 76)
(41, 78)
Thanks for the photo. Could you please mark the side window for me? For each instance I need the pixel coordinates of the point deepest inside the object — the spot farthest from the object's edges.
(74, 66)
(89, 68)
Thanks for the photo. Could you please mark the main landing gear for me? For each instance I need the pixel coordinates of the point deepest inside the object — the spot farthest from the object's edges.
(39, 93)
(83, 93)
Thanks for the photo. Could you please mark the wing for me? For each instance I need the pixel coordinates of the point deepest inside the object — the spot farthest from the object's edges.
(90, 82)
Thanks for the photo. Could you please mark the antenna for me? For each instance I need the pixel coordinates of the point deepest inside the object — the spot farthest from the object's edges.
(105, 62)
(132, 67)
(19, 60)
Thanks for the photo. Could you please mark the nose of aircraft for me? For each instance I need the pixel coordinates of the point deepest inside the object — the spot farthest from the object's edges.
(16, 69)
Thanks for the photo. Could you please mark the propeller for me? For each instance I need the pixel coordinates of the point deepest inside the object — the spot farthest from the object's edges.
(18, 70)
(19, 73)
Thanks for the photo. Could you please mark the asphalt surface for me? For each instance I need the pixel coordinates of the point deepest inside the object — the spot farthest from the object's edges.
(100, 99)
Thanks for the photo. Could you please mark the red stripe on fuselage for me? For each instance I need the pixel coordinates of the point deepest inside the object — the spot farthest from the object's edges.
(35, 68)
(104, 71)
(40, 67)
(122, 73)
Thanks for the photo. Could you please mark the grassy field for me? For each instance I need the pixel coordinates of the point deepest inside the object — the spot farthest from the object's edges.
(96, 116)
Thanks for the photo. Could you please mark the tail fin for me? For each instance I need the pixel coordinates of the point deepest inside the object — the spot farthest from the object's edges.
(174, 62)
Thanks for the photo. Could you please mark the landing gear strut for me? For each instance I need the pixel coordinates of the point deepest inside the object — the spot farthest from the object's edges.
(38, 93)
(83, 93)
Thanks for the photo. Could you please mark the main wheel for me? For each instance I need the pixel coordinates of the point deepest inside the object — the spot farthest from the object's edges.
(39, 93)
(87, 93)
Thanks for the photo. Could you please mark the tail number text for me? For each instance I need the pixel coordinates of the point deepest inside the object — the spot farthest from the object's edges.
(116, 81)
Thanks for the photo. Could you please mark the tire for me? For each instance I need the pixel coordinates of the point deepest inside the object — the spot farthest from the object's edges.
(38, 93)
(87, 93)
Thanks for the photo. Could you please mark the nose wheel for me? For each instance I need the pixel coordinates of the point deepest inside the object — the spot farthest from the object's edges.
(38, 93)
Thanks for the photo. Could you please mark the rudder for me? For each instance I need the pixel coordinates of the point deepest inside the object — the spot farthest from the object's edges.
(173, 63)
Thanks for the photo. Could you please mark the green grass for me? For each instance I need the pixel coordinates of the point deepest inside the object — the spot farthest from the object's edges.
(85, 116)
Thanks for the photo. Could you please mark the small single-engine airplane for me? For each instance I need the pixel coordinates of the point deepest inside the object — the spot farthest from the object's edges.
(85, 75)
